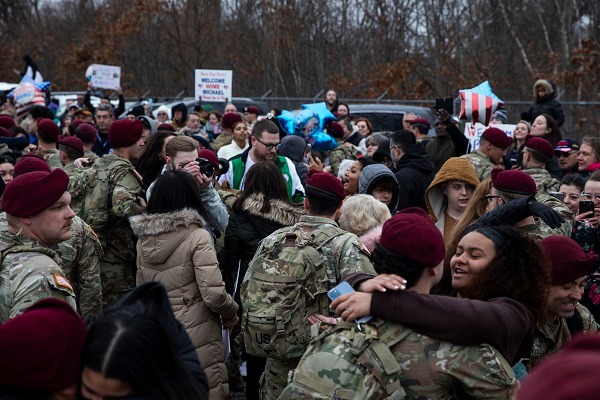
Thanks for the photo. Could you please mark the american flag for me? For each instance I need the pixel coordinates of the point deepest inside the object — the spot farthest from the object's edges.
(478, 107)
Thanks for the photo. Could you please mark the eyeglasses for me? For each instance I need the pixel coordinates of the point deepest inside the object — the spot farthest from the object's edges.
(491, 198)
(562, 154)
(269, 146)
(590, 196)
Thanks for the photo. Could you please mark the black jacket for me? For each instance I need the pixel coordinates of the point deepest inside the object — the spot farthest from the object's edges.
(549, 106)
(414, 173)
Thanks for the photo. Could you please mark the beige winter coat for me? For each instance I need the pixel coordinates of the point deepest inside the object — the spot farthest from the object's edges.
(177, 251)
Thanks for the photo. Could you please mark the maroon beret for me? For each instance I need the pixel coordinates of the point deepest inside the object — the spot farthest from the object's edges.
(336, 130)
(47, 129)
(210, 156)
(4, 132)
(125, 133)
(540, 145)
(326, 183)
(33, 192)
(569, 262)
(30, 162)
(497, 137)
(41, 348)
(252, 110)
(230, 119)
(86, 132)
(411, 234)
(74, 125)
(6, 121)
(570, 374)
(73, 142)
(165, 127)
(420, 121)
(513, 181)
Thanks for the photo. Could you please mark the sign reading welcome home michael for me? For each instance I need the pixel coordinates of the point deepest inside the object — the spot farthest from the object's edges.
(213, 85)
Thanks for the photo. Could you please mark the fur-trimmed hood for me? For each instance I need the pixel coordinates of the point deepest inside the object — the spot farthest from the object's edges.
(155, 224)
(281, 212)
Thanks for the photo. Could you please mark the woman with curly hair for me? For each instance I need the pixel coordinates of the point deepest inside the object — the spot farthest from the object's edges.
(499, 277)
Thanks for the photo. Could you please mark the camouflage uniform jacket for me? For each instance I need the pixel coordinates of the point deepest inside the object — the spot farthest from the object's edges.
(342, 255)
(125, 186)
(344, 151)
(90, 154)
(539, 229)
(29, 272)
(428, 368)
(69, 169)
(52, 157)
(551, 337)
(482, 164)
(222, 140)
(79, 263)
(544, 182)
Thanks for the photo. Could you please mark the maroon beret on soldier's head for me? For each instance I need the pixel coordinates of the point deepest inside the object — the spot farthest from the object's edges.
(86, 132)
(540, 145)
(210, 156)
(230, 119)
(325, 183)
(30, 162)
(33, 192)
(165, 127)
(41, 348)
(335, 130)
(6, 121)
(411, 234)
(74, 125)
(420, 121)
(497, 137)
(513, 181)
(4, 132)
(569, 262)
(73, 142)
(125, 133)
(252, 110)
(570, 374)
(47, 129)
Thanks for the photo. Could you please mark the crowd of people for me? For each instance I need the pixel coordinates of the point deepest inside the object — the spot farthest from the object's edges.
(197, 253)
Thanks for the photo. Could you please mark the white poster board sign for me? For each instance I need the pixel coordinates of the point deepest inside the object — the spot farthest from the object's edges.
(104, 76)
(473, 133)
(213, 85)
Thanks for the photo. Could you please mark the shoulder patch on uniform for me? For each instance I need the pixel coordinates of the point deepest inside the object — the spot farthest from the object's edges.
(137, 175)
(61, 281)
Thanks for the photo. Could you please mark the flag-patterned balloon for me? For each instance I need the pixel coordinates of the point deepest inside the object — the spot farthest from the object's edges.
(479, 103)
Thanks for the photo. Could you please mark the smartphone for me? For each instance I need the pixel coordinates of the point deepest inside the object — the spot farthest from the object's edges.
(585, 206)
(344, 288)
(560, 196)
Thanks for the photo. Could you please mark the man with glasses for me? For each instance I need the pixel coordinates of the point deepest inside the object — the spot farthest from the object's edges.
(264, 142)
(566, 152)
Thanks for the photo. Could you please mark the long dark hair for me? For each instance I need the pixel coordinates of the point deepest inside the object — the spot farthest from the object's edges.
(174, 191)
(150, 164)
(130, 344)
(263, 177)
(554, 135)
(520, 270)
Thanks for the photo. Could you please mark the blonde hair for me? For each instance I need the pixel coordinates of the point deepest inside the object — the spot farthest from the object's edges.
(361, 213)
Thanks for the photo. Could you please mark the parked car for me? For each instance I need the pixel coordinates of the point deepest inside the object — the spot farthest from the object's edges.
(239, 102)
(388, 117)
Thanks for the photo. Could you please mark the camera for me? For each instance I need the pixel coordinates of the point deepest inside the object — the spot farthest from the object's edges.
(206, 167)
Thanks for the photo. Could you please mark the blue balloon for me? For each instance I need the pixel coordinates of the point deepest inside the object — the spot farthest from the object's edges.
(325, 116)
(286, 121)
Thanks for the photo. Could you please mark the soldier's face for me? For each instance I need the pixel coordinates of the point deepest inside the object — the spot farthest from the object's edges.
(473, 254)
(53, 225)
(561, 299)
(135, 150)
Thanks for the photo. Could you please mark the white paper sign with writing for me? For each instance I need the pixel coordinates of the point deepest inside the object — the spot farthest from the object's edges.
(104, 76)
(213, 85)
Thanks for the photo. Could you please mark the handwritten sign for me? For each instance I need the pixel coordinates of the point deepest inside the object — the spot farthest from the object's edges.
(104, 76)
(213, 85)
(473, 133)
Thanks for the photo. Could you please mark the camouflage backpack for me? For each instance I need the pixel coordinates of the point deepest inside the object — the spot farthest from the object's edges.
(348, 362)
(288, 282)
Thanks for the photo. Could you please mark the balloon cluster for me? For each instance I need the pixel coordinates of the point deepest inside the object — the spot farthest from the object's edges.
(310, 123)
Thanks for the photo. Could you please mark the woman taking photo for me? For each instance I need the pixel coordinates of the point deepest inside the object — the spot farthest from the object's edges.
(174, 248)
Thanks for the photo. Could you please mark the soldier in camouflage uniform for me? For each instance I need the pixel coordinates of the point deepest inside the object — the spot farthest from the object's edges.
(88, 136)
(565, 317)
(341, 254)
(344, 150)
(108, 211)
(38, 217)
(47, 135)
(536, 153)
(398, 362)
(70, 149)
(492, 147)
